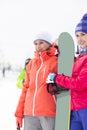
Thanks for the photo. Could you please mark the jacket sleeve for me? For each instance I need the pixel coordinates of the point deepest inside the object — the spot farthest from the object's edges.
(20, 107)
(78, 83)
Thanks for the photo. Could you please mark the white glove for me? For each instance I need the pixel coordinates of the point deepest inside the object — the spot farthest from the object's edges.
(50, 78)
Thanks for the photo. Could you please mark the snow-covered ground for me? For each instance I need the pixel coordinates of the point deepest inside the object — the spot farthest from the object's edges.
(9, 95)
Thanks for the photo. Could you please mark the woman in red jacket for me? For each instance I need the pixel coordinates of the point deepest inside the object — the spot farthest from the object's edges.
(36, 106)
(78, 82)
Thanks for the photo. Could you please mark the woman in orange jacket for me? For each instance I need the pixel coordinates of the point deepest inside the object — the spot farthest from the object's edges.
(36, 106)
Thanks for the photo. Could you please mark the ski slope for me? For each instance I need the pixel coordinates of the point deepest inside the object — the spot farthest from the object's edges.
(9, 95)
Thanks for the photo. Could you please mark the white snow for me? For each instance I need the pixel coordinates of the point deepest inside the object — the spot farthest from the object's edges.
(9, 95)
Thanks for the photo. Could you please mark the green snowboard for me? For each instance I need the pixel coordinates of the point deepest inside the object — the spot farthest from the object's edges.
(65, 65)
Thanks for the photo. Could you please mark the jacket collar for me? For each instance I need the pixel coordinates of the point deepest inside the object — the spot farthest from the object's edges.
(46, 54)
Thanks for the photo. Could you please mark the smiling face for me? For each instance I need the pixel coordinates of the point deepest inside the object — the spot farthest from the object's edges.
(41, 45)
(81, 39)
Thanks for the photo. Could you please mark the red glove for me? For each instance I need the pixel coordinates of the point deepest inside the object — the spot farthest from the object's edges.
(19, 122)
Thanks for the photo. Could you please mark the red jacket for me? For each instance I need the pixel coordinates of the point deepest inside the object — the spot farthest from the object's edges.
(77, 83)
(35, 100)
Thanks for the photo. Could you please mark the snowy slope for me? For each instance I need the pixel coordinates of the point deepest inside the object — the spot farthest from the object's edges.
(9, 95)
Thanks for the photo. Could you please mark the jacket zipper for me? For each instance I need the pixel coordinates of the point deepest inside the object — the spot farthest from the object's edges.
(36, 86)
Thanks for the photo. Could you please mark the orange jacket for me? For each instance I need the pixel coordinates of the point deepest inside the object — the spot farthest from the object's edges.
(35, 100)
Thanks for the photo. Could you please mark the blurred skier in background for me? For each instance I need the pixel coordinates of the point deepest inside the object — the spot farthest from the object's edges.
(22, 75)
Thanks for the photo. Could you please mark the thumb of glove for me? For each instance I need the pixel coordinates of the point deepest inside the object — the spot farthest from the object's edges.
(19, 122)
(18, 127)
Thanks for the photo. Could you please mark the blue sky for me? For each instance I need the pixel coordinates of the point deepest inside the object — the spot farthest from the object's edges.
(21, 20)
